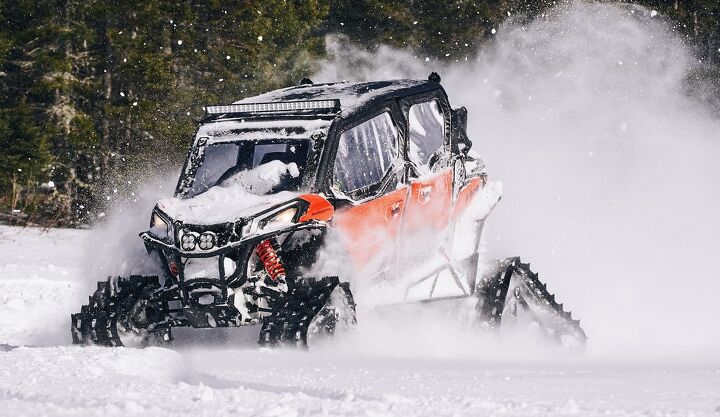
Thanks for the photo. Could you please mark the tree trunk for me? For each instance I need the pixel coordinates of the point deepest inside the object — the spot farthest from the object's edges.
(107, 79)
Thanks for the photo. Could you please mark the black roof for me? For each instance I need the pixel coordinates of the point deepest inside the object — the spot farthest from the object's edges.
(353, 96)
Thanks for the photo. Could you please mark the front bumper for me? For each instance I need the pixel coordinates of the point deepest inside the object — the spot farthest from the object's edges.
(246, 241)
(207, 302)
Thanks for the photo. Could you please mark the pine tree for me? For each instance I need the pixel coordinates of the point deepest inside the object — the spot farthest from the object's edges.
(96, 94)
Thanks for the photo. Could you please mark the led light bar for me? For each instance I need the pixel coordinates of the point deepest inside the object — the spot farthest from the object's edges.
(279, 106)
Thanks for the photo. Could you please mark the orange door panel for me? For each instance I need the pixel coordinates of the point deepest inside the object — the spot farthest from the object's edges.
(465, 196)
(430, 202)
(372, 227)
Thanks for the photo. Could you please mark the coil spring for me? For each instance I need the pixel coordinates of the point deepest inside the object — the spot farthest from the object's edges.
(270, 259)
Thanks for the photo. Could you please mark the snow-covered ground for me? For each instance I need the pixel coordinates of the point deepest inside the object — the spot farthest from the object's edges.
(39, 271)
(430, 373)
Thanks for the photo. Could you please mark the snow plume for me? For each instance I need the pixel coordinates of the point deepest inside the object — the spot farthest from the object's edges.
(609, 167)
(114, 247)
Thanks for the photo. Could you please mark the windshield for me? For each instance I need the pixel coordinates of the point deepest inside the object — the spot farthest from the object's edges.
(262, 167)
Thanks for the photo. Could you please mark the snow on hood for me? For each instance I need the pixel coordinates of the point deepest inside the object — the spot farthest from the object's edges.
(241, 195)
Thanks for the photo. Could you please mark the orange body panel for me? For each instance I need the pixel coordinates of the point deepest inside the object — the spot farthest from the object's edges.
(373, 227)
(465, 196)
(370, 226)
(430, 202)
(320, 208)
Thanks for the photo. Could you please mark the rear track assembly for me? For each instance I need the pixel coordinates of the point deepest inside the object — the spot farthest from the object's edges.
(513, 286)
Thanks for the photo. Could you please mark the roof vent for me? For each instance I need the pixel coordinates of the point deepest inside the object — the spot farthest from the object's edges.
(306, 81)
(434, 77)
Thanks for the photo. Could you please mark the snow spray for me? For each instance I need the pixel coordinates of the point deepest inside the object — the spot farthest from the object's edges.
(114, 248)
(609, 168)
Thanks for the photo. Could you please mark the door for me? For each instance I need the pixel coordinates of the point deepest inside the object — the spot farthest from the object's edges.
(431, 177)
(367, 172)
(430, 271)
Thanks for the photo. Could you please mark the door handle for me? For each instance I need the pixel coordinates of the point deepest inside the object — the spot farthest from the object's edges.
(425, 194)
(393, 210)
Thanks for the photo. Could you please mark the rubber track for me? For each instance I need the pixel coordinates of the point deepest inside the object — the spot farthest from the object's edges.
(327, 317)
(96, 324)
(293, 312)
(493, 294)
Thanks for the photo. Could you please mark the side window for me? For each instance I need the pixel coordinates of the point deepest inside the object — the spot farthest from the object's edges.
(426, 129)
(365, 153)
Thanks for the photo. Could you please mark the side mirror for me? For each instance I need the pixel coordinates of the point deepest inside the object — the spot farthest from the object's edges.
(458, 123)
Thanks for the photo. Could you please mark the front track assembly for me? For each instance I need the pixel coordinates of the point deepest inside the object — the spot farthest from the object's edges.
(134, 311)
(121, 312)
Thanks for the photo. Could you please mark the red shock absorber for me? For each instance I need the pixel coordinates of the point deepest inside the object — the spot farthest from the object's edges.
(270, 259)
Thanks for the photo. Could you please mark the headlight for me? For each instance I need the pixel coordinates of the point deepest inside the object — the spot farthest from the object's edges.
(159, 227)
(281, 218)
(271, 221)
(187, 241)
(207, 240)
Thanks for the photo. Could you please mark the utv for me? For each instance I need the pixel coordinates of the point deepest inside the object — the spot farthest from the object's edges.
(289, 197)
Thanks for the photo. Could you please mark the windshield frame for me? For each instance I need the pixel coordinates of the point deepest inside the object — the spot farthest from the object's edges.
(316, 139)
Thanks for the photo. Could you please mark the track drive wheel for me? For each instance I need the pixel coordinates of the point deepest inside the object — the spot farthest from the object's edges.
(513, 296)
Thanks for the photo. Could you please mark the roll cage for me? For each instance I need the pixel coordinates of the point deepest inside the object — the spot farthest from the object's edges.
(318, 175)
(398, 107)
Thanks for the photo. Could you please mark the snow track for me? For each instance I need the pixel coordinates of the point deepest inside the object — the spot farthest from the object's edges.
(40, 285)
(107, 382)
